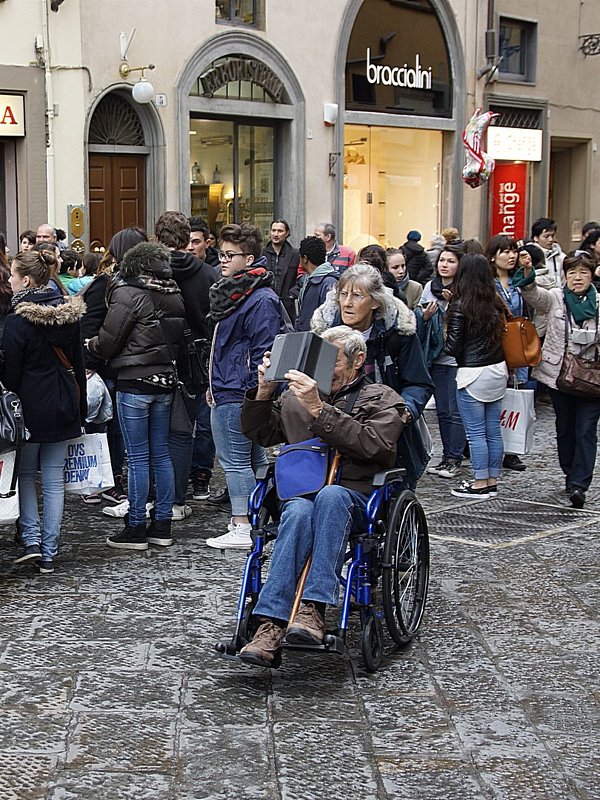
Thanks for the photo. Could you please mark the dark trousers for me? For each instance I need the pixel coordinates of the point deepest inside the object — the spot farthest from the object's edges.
(192, 453)
(576, 436)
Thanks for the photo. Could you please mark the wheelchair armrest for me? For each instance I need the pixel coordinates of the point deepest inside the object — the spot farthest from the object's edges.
(266, 472)
(389, 476)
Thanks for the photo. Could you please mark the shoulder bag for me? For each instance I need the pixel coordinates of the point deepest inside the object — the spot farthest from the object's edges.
(12, 423)
(520, 342)
(578, 376)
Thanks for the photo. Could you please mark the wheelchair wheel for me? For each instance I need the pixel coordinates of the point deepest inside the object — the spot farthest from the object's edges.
(405, 575)
(372, 643)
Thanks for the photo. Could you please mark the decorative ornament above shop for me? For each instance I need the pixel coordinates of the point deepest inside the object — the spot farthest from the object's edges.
(242, 69)
(478, 164)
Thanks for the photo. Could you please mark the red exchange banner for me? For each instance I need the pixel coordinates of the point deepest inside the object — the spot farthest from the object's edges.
(509, 199)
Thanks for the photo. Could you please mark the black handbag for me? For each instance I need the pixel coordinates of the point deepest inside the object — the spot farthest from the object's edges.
(12, 423)
(198, 356)
(579, 376)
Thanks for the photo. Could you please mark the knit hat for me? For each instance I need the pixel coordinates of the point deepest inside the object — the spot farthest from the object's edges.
(146, 257)
(413, 236)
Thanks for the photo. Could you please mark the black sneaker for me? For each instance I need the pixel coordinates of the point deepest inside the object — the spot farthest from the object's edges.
(511, 461)
(135, 538)
(159, 533)
(45, 567)
(31, 552)
(115, 495)
(466, 489)
(200, 489)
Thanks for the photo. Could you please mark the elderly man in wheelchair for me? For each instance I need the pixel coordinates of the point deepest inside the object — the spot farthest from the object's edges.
(361, 422)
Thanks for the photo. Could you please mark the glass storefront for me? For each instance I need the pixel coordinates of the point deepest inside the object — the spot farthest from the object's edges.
(232, 172)
(392, 184)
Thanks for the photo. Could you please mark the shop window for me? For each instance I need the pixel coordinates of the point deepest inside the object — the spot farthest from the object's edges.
(398, 60)
(240, 12)
(517, 50)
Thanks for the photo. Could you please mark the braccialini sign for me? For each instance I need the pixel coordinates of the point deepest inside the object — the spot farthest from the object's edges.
(411, 77)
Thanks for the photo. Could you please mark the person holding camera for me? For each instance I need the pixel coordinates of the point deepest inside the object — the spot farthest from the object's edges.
(572, 316)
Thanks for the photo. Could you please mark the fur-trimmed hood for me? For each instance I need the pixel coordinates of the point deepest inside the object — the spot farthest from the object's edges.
(395, 314)
(66, 311)
(149, 257)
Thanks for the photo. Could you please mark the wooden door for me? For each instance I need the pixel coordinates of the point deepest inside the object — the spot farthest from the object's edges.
(117, 195)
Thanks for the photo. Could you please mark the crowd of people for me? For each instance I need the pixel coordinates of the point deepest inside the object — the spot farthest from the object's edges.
(184, 318)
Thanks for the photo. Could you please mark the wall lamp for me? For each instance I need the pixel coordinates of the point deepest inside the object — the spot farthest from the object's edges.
(142, 91)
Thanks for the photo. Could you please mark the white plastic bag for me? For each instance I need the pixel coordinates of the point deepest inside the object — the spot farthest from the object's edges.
(517, 420)
(87, 466)
(9, 491)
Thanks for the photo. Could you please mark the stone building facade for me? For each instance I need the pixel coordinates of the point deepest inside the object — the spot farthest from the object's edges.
(343, 110)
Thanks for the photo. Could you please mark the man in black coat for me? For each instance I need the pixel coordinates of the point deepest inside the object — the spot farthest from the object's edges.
(418, 265)
(194, 278)
(282, 261)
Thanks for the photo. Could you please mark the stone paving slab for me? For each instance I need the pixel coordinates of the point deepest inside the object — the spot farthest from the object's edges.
(110, 688)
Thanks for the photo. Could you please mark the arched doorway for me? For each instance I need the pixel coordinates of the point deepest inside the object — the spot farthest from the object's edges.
(241, 123)
(402, 86)
(122, 168)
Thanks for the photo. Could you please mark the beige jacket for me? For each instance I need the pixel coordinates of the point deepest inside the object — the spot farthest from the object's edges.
(551, 303)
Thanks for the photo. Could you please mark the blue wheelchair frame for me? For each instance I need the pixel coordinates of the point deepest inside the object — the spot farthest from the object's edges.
(364, 554)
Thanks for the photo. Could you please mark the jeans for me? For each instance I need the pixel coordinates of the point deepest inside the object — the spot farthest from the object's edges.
(450, 423)
(144, 421)
(204, 447)
(576, 436)
(239, 456)
(322, 527)
(50, 458)
(482, 425)
(116, 446)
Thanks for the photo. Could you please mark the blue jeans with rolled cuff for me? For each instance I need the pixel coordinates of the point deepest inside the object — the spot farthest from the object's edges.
(321, 527)
(482, 426)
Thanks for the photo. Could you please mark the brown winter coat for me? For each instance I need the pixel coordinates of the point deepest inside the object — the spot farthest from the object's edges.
(366, 438)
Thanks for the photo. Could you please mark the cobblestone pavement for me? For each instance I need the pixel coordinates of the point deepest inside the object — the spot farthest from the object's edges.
(111, 688)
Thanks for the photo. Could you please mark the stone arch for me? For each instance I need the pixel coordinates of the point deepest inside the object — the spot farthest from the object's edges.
(290, 149)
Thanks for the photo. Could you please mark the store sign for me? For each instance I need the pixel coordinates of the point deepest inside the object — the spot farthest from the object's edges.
(407, 77)
(514, 144)
(241, 69)
(12, 115)
(509, 200)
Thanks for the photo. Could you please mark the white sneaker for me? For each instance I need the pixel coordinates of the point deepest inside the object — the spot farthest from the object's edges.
(237, 537)
(449, 470)
(122, 508)
(181, 512)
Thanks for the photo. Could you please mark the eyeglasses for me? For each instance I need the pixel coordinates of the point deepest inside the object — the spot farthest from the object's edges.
(356, 297)
(227, 255)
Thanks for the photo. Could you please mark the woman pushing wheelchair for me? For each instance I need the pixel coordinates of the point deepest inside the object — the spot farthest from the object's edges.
(362, 422)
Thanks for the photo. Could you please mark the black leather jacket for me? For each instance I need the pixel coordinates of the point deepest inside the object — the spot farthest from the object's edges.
(469, 348)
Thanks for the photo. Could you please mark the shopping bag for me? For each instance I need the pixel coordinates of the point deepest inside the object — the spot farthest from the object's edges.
(517, 421)
(87, 465)
(9, 493)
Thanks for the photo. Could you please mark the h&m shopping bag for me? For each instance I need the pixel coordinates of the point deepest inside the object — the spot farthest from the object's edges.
(87, 465)
(9, 493)
(517, 421)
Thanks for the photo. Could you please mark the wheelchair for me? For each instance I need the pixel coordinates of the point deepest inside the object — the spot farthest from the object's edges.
(385, 578)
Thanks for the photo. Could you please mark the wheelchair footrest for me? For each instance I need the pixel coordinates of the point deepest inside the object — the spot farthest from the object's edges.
(331, 644)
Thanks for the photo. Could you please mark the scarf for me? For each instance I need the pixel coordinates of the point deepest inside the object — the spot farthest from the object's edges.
(229, 293)
(437, 287)
(155, 284)
(403, 282)
(581, 307)
(25, 293)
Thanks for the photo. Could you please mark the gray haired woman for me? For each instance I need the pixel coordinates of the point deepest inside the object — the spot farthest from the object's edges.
(394, 355)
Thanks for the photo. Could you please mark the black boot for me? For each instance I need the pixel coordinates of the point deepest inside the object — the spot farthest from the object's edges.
(159, 532)
(130, 538)
(511, 461)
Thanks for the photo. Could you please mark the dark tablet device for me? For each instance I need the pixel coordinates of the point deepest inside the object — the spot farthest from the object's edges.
(307, 353)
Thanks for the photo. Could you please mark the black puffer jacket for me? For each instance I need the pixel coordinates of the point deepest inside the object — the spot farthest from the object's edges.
(194, 278)
(94, 295)
(469, 348)
(145, 318)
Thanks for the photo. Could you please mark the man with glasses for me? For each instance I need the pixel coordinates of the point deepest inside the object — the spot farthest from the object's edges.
(246, 313)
